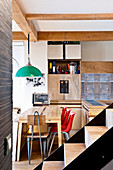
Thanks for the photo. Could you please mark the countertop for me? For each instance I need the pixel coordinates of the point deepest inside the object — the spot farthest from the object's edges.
(63, 102)
(93, 107)
(94, 104)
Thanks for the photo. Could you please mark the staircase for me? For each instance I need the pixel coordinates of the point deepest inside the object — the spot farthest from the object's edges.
(90, 148)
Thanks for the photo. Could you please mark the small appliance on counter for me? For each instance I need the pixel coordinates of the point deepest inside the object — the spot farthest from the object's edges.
(40, 99)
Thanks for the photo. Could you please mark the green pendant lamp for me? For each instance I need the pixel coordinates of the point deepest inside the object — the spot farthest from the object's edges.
(29, 70)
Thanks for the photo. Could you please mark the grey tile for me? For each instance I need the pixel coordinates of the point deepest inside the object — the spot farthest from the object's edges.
(104, 96)
(97, 77)
(83, 77)
(104, 77)
(103, 88)
(111, 78)
(83, 97)
(112, 87)
(82, 88)
(85, 87)
(111, 96)
(97, 88)
(90, 88)
(90, 77)
(90, 97)
(109, 87)
(96, 96)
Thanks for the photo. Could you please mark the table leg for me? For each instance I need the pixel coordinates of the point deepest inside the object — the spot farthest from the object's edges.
(19, 140)
(59, 133)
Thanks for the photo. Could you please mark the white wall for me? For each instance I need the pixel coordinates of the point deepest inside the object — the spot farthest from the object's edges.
(38, 55)
(18, 55)
(97, 51)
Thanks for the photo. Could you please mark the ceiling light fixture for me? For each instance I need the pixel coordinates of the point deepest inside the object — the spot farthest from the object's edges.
(29, 70)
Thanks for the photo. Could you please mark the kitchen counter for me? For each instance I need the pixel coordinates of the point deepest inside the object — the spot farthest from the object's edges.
(94, 104)
(63, 102)
(108, 102)
(90, 109)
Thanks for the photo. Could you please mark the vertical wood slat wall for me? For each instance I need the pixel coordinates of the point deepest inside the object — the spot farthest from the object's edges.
(5, 80)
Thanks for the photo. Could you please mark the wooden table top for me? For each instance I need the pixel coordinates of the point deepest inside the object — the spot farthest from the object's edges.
(51, 112)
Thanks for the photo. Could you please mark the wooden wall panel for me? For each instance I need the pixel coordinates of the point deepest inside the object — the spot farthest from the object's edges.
(54, 87)
(96, 67)
(74, 86)
(5, 80)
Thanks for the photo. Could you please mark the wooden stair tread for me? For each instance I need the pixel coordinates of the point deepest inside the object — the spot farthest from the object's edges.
(53, 165)
(72, 150)
(96, 131)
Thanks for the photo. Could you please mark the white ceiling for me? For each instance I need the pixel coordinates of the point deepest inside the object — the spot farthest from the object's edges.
(74, 25)
(15, 27)
(68, 6)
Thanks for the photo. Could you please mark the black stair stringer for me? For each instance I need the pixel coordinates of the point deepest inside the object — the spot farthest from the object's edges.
(58, 154)
(96, 156)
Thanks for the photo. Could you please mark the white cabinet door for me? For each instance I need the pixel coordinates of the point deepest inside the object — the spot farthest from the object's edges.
(73, 52)
(55, 51)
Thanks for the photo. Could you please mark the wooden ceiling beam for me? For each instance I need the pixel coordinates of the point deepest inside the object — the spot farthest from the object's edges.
(98, 16)
(19, 36)
(18, 16)
(69, 36)
(76, 36)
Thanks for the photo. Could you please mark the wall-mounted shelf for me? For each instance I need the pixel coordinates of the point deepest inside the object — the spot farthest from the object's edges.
(64, 66)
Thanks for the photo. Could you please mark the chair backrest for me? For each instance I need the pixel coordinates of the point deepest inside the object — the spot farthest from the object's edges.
(42, 120)
(66, 117)
(69, 126)
(63, 114)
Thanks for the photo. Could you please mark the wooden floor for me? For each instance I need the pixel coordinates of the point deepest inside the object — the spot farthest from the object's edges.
(35, 159)
(23, 163)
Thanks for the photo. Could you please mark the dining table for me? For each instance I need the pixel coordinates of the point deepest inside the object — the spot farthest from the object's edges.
(53, 115)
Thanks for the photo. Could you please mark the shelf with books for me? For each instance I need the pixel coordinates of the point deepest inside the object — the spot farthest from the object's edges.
(64, 66)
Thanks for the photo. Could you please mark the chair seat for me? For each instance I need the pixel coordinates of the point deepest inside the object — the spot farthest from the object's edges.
(37, 136)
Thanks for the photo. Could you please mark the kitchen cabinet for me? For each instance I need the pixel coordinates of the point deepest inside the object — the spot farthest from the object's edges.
(73, 51)
(74, 92)
(55, 51)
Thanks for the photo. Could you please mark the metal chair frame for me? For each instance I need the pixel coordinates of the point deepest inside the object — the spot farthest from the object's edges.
(45, 140)
(66, 136)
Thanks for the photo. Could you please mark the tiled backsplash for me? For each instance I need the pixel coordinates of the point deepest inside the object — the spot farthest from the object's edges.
(97, 86)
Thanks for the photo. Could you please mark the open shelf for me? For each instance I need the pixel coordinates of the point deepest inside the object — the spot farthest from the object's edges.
(63, 66)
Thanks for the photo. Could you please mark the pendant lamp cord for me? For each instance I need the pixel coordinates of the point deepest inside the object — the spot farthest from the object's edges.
(28, 50)
(28, 46)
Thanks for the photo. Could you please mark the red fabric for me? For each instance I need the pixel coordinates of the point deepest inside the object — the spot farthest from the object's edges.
(65, 128)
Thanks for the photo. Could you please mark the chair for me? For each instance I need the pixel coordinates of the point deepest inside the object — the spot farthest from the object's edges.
(62, 117)
(64, 125)
(40, 121)
(64, 131)
(63, 114)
